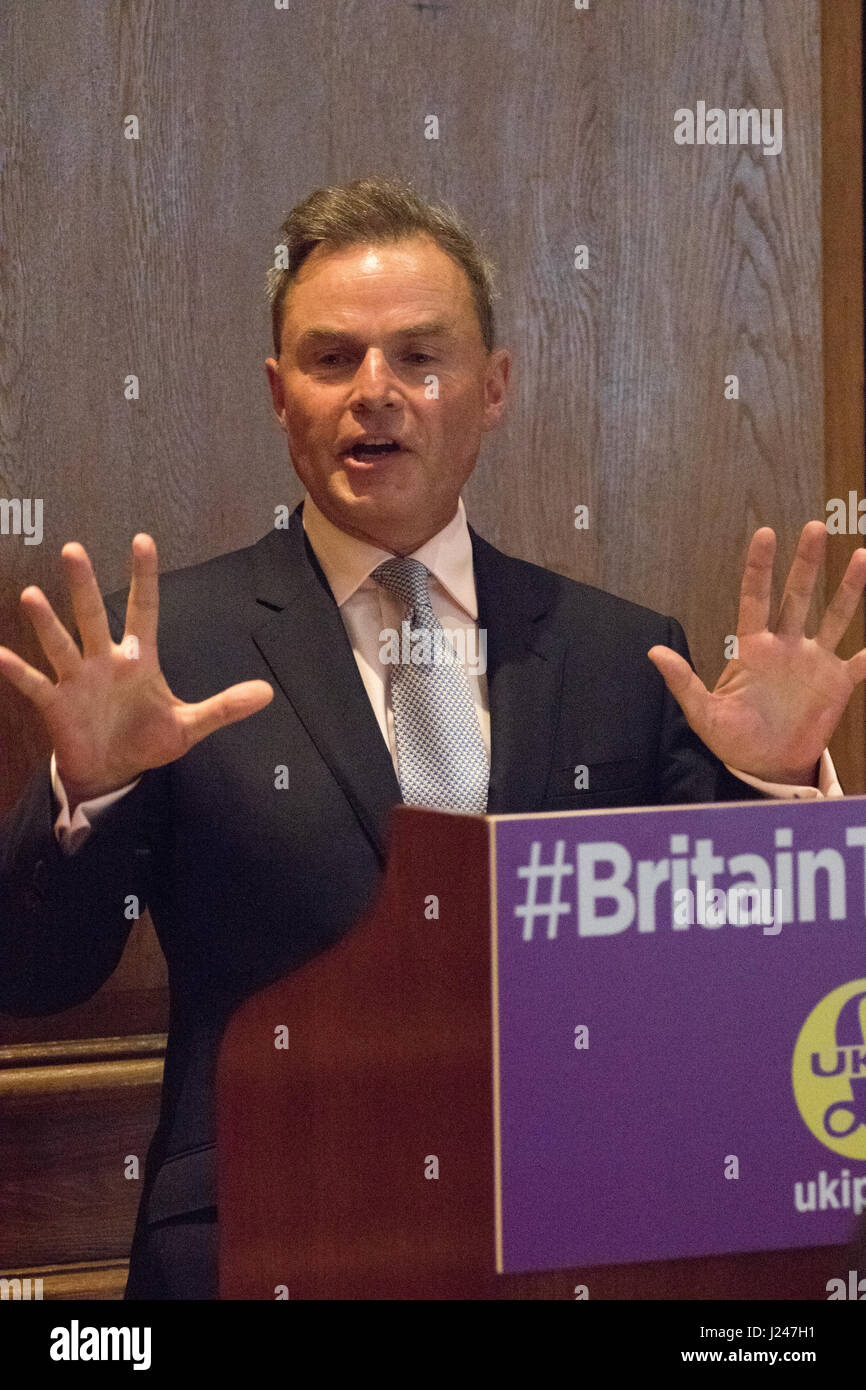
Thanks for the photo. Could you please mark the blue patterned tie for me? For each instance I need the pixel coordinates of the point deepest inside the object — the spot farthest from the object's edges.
(440, 751)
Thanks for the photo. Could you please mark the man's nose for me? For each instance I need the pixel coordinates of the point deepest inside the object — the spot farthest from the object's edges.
(374, 384)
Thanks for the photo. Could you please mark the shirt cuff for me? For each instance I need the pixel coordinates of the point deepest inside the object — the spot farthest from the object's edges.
(71, 832)
(828, 783)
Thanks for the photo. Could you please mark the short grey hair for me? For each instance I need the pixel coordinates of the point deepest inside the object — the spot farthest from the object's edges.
(377, 210)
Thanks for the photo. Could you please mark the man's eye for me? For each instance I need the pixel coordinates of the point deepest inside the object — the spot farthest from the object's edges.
(330, 357)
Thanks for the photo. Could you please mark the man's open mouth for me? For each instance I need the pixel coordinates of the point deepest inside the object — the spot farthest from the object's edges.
(367, 452)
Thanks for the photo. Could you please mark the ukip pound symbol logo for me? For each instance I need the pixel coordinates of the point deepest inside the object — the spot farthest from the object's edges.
(829, 1070)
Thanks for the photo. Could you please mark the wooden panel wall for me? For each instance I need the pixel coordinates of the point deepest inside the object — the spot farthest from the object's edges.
(555, 128)
(843, 335)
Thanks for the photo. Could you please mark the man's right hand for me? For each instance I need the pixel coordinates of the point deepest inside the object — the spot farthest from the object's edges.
(111, 716)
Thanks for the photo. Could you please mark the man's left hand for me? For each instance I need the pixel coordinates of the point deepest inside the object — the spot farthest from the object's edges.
(777, 703)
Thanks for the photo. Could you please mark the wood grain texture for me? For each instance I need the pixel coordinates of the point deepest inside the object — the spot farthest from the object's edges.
(842, 240)
(100, 1280)
(556, 128)
(66, 1131)
(76, 1051)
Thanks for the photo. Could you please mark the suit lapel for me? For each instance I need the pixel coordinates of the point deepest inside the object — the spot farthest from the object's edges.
(304, 642)
(525, 663)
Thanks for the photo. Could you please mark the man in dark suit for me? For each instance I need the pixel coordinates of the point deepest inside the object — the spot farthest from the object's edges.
(257, 842)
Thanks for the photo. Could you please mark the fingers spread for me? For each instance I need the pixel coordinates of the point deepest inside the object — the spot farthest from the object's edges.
(844, 603)
(680, 679)
(754, 610)
(800, 587)
(142, 609)
(55, 641)
(87, 602)
(231, 705)
(856, 666)
(32, 683)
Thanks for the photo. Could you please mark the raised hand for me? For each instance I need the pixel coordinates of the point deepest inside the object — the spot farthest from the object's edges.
(775, 706)
(111, 716)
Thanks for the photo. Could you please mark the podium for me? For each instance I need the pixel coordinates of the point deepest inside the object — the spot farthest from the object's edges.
(356, 1110)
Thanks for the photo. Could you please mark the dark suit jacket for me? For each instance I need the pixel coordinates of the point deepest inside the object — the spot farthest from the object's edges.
(245, 882)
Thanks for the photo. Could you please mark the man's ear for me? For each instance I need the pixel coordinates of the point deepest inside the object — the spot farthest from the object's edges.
(496, 388)
(277, 397)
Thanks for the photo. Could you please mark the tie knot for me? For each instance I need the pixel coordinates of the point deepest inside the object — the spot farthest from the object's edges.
(406, 579)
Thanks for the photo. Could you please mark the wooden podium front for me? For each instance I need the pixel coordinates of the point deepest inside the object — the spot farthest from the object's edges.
(327, 1148)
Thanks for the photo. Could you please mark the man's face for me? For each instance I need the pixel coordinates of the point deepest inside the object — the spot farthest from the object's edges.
(365, 329)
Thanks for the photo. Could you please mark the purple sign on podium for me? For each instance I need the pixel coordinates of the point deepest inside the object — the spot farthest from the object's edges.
(679, 1031)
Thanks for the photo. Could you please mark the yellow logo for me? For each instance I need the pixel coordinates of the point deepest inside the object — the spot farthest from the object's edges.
(829, 1070)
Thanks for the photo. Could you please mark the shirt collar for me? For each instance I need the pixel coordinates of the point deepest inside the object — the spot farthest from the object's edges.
(348, 562)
